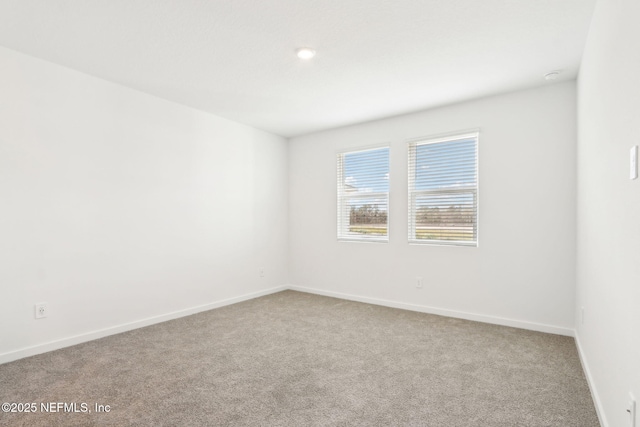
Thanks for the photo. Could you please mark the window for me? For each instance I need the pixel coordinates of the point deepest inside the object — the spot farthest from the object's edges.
(443, 190)
(363, 195)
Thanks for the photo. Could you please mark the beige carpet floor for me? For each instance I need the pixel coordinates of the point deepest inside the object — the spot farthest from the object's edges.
(296, 359)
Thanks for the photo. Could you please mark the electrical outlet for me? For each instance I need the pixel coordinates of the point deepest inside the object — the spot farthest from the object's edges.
(41, 310)
(262, 272)
(419, 282)
(631, 410)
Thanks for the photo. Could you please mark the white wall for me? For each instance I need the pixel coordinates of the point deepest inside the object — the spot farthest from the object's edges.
(522, 273)
(608, 249)
(117, 206)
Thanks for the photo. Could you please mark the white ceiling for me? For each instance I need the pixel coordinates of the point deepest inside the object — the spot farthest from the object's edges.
(235, 58)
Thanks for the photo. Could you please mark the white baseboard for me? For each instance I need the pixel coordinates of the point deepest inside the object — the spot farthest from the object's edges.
(77, 339)
(540, 327)
(89, 336)
(594, 392)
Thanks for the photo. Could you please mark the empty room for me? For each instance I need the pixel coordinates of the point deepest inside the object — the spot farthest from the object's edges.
(320, 213)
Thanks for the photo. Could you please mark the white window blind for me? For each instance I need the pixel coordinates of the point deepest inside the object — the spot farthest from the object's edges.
(363, 195)
(443, 190)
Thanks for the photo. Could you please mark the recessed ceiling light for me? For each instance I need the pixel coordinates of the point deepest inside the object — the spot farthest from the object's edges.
(552, 75)
(305, 53)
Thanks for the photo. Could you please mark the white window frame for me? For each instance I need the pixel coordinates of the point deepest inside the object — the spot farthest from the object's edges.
(343, 206)
(414, 194)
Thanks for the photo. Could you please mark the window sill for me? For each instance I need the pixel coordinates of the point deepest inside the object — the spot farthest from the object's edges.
(362, 240)
(443, 243)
